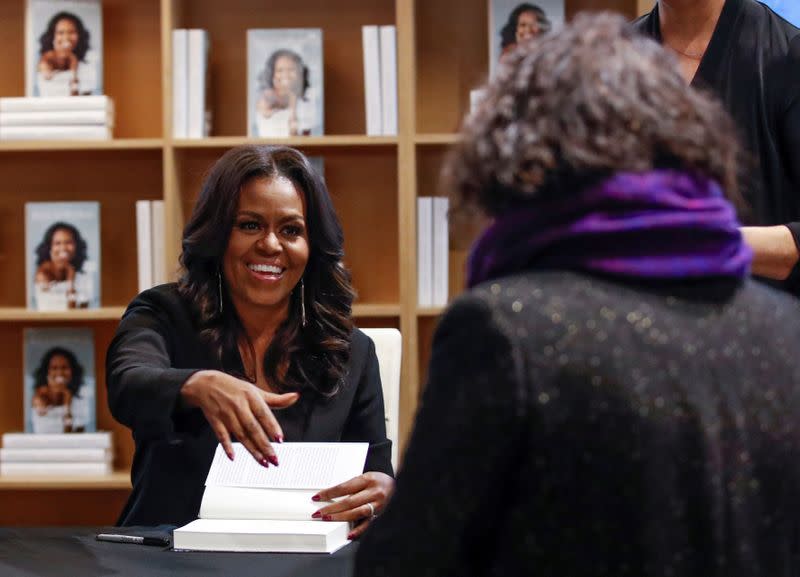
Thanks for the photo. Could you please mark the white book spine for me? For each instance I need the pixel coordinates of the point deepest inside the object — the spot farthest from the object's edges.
(441, 260)
(55, 469)
(144, 244)
(372, 79)
(425, 251)
(55, 117)
(43, 104)
(55, 132)
(54, 455)
(57, 440)
(196, 84)
(388, 43)
(180, 80)
(157, 242)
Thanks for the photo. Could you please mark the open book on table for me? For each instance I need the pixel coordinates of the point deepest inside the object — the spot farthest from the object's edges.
(247, 507)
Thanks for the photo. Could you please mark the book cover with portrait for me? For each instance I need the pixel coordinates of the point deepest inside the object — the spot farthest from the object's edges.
(62, 255)
(512, 22)
(63, 48)
(788, 9)
(285, 82)
(59, 380)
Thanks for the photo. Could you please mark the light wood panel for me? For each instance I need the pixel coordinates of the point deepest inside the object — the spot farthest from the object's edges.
(36, 508)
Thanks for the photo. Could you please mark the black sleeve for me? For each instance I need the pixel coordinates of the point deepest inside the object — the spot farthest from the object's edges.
(465, 433)
(143, 386)
(367, 418)
(789, 126)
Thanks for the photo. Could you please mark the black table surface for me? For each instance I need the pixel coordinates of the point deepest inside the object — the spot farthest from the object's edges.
(74, 551)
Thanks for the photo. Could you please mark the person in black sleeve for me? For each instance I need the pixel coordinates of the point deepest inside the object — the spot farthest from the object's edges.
(614, 396)
(260, 319)
(749, 57)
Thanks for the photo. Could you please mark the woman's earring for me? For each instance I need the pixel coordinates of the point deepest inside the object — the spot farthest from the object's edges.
(302, 303)
(219, 286)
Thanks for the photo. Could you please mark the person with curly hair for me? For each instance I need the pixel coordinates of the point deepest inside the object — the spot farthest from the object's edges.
(614, 396)
(63, 48)
(282, 107)
(260, 320)
(525, 22)
(56, 382)
(60, 257)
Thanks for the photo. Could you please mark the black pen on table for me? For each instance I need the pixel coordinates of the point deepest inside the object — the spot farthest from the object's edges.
(133, 539)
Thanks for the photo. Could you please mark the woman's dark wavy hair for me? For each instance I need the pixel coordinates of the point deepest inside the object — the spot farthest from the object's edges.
(46, 39)
(508, 34)
(312, 357)
(40, 374)
(577, 106)
(266, 78)
(43, 248)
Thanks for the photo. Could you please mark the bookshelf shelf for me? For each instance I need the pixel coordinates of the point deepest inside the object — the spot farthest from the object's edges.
(119, 480)
(436, 138)
(112, 144)
(376, 310)
(22, 314)
(430, 311)
(300, 142)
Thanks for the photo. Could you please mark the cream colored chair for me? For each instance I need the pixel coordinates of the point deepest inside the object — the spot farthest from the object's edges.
(388, 348)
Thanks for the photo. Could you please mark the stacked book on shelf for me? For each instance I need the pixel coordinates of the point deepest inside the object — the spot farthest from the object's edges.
(432, 251)
(380, 79)
(150, 243)
(56, 118)
(191, 115)
(56, 454)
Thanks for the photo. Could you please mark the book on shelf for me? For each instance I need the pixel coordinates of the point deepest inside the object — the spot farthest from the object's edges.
(285, 90)
(11, 104)
(512, 22)
(62, 255)
(59, 441)
(379, 44)
(63, 47)
(150, 243)
(198, 115)
(425, 251)
(441, 248)
(59, 381)
(65, 455)
(56, 118)
(56, 469)
(180, 83)
(247, 507)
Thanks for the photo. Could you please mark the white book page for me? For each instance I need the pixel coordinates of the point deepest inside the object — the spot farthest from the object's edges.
(257, 503)
(302, 466)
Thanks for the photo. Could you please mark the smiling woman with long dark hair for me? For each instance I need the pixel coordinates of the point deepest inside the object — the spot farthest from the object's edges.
(261, 318)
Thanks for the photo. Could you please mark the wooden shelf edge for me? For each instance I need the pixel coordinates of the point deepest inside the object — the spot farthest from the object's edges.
(116, 480)
(299, 141)
(429, 311)
(376, 310)
(112, 144)
(27, 315)
(433, 138)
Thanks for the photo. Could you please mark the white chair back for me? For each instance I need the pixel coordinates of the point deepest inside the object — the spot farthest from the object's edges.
(388, 348)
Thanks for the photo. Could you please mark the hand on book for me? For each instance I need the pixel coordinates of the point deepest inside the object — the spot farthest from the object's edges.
(237, 408)
(365, 497)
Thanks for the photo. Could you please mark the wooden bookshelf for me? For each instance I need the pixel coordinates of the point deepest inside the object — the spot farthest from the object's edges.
(374, 181)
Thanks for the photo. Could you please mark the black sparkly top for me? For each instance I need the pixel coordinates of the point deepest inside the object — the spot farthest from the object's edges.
(577, 426)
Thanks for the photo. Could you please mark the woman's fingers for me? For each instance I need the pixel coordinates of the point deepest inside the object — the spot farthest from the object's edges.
(349, 487)
(222, 435)
(359, 529)
(282, 401)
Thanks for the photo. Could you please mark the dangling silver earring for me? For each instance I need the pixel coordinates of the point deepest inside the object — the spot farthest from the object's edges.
(302, 303)
(219, 286)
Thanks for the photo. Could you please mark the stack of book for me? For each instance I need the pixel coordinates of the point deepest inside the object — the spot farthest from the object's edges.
(150, 243)
(191, 115)
(380, 79)
(56, 455)
(433, 245)
(56, 118)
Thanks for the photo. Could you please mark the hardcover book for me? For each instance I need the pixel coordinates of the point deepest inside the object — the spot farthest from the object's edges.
(62, 255)
(63, 48)
(512, 22)
(285, 82)
(247, 507)
(59, 380)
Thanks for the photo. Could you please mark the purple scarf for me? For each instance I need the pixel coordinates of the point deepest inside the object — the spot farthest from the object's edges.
(661, 224)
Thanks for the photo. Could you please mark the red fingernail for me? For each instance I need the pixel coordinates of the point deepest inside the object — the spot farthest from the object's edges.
(279, 438)
(230, 456)
(350, 537)
(315, 498)
(315, 515)
(264, 463)
(326, 517)
(273, 459)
